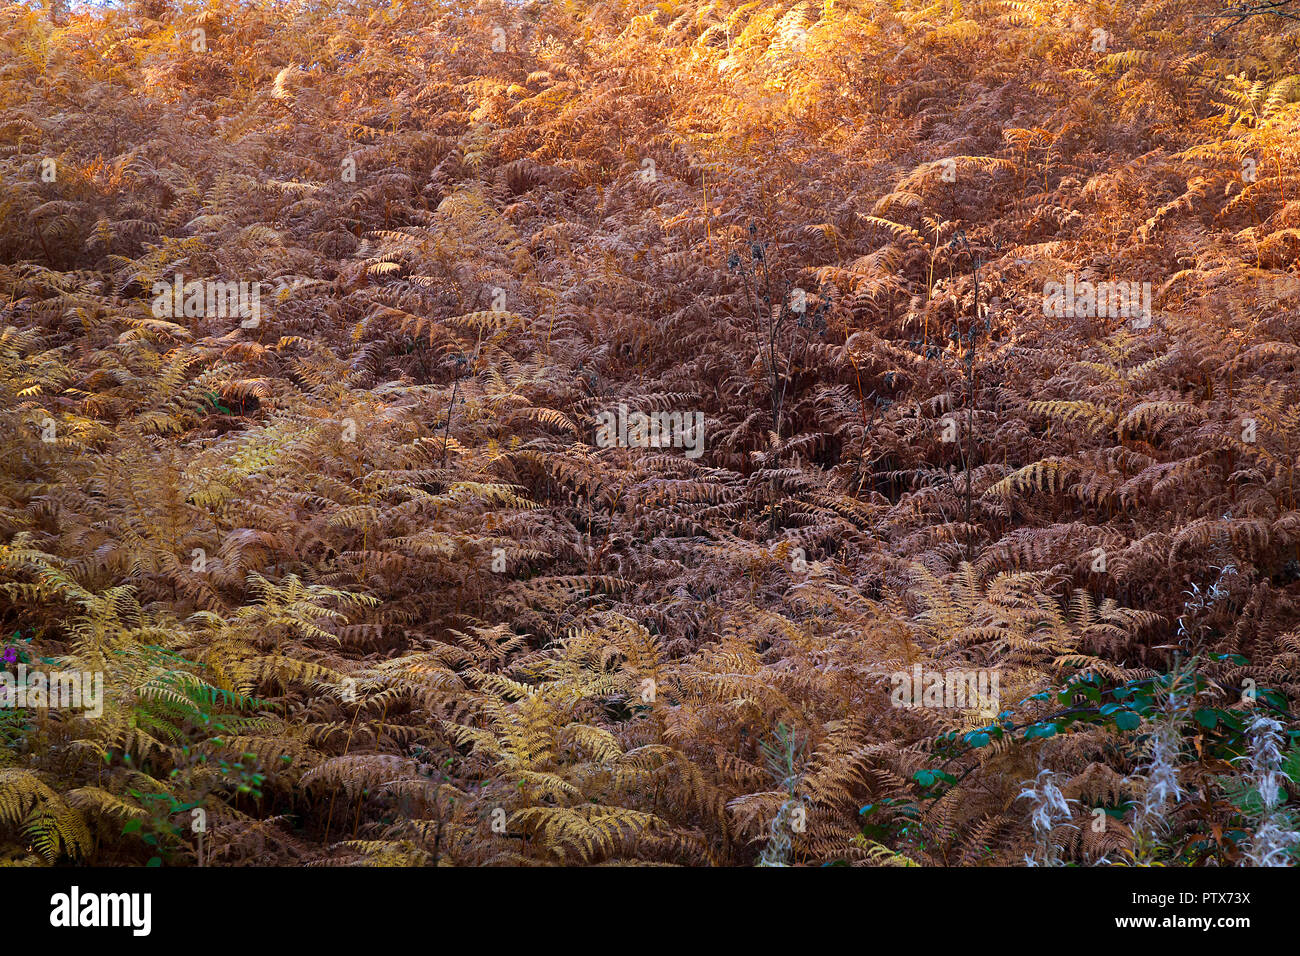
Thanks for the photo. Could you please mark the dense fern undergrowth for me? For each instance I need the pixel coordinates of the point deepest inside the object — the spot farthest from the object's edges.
(364, 587)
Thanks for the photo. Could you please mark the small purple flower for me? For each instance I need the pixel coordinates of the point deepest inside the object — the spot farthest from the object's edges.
(11, 654)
